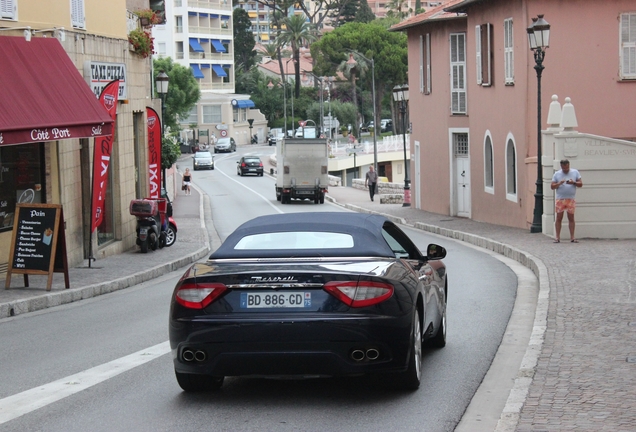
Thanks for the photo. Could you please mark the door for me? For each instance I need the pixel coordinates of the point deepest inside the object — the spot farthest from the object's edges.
(462, 174)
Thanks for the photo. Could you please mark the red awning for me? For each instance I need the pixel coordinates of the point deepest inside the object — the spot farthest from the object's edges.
(43, 97)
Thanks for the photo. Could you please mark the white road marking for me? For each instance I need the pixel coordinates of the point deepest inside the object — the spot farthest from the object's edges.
(30, 400)
(267, 200)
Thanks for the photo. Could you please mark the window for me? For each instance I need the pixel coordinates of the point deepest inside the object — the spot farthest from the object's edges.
(8, 9)
(509, 67)
(21, 179)
(77, 14)
(192, 117)
(295, 240)
(483, 41)
(399, 243)
(211, 114)
(425, 63)
(458, 73)
(178, 24)
(628, 46)
(489, 177)
(511, 171)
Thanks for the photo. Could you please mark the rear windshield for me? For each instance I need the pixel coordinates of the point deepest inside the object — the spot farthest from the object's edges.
(295, 240)
(252, 160)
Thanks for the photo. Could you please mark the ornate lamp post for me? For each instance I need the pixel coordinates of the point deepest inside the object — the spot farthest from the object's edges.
(161, 82)
(539, 40)
(401, 97)
(353, 62)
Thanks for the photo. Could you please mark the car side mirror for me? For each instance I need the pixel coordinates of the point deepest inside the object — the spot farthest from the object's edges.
(435, 252)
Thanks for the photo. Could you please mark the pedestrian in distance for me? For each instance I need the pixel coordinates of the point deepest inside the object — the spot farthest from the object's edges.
(371, 180)
(564, 182)
(187, 179)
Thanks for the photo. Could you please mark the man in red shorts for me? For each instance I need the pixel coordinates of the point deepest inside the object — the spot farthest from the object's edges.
(564, 182)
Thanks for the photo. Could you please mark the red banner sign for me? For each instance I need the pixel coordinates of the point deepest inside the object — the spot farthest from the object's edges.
(101, 157)
(154, 153)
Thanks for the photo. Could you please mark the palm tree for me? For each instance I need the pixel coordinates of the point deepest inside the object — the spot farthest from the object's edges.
(351, 67)
(296, 32)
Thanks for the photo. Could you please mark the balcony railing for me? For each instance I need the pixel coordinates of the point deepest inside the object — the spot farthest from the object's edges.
(210, 30)
(211, 4)
(210, 56)
(216, 86)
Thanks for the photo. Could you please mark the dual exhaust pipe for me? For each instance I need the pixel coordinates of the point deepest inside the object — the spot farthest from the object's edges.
(189, 355)
(370, 354)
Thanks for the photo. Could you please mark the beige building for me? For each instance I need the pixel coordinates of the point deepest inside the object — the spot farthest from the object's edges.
(92, 36)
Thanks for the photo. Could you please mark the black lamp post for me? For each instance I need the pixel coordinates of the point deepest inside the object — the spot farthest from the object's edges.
(161, 83)
(539, 40)
(401, 97)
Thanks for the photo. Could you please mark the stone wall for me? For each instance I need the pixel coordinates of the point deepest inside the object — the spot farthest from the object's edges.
(389, 193)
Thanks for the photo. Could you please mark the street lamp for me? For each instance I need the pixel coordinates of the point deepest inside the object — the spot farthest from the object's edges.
(375, 120)
(401, 97)
(539, 40)
(161, 82)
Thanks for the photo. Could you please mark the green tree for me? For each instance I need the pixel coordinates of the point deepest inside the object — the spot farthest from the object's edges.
(364, 13)
(297, 32)
(244, 53)
(183, 90)
(373, 40)
(346, 14)
(170, 152)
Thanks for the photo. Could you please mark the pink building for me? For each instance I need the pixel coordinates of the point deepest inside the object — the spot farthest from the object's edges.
(473, 96)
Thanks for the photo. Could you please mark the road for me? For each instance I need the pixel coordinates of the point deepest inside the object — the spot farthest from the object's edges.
(117, 344)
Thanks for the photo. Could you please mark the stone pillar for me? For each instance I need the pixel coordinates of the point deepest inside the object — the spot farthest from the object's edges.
(548, 153)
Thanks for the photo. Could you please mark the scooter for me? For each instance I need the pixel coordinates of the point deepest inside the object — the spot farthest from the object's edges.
(254, 139)
(150, 234)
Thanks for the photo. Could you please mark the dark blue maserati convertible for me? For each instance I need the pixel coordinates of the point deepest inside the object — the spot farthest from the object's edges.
(309, 294)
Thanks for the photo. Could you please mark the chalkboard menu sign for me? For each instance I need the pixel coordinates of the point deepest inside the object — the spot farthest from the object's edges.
(38, 243)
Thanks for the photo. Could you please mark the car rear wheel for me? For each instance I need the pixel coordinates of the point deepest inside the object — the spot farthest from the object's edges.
(198, 383)
(410, 380)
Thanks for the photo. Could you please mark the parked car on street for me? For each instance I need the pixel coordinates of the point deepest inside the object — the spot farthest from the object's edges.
(202, 160)
(249, 165)
(386, 125)
(225, 145)
(309, 294)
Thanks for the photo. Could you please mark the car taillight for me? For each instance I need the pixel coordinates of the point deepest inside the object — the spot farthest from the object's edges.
(359, 294)
(260, 164)
(243, 165)
(199, 295)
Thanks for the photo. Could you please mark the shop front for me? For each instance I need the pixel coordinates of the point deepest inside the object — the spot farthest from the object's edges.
(46, 108)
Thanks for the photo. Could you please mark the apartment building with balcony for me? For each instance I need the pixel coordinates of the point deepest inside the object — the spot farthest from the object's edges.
(198, 34)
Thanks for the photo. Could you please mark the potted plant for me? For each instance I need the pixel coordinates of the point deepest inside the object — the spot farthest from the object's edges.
(344, 130)
(141, 41)
(147, 17)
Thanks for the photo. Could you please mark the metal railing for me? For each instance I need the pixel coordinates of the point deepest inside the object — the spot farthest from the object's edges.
(342, 147)
(211, 4)
(210, 30)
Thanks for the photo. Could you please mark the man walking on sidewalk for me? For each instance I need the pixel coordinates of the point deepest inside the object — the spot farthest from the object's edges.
(371, 181)
(565, 182)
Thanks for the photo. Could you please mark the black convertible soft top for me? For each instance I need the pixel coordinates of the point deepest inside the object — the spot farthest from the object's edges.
(365, 229)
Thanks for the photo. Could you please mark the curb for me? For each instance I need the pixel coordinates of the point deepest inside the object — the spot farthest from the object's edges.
(516, 399)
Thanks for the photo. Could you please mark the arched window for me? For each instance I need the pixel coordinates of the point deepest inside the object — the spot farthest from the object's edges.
(489, 175)
(511, 170)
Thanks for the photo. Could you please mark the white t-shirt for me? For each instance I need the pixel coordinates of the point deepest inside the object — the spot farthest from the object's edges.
(566, 191)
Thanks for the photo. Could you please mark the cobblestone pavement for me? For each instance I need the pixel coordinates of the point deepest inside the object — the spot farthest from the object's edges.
(585, 376)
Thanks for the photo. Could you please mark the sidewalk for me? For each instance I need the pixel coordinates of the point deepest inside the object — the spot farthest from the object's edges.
(579, 372)
(118, 271)
(580, 366)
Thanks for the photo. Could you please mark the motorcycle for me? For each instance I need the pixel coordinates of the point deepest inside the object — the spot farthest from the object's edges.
(254, 139)
(152, 223)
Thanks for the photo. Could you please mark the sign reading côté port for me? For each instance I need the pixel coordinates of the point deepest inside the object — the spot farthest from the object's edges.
(38, 244)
